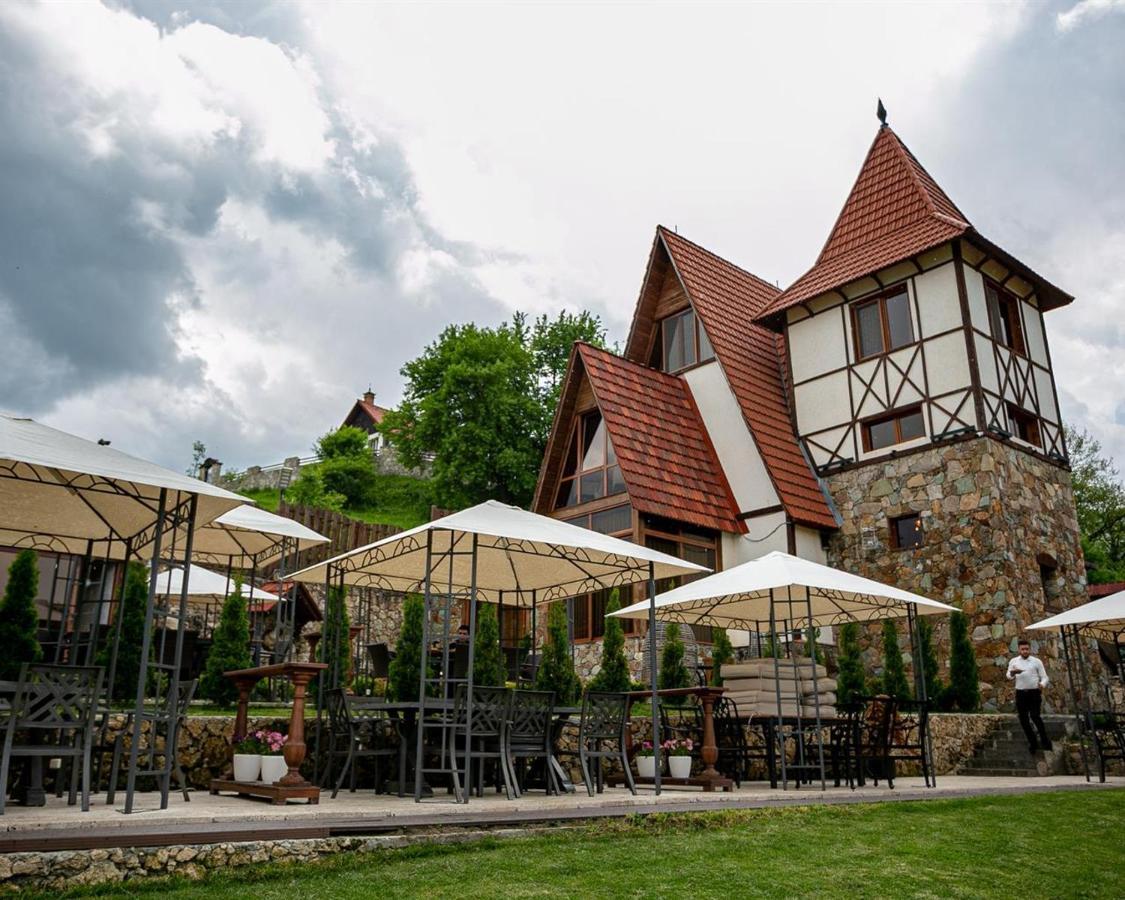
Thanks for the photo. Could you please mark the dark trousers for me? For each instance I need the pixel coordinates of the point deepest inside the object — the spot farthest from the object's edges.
(1028, 704)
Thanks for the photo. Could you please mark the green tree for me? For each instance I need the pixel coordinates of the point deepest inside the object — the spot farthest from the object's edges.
(556, 668)
(309, 490)
(614, 672)
(19, 619)
(935, 688)
(812, 648)
(894, 673)
(481, 400)
(335, 649)
(488, 659)
(406, 668)
(673, 673)
(722, 652)
(198, 454)
(964, 683)
(851, 680)
(131, 611)
(1099, 497)
(230, 649)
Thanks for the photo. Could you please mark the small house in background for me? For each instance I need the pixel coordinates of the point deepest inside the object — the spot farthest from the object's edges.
(368, 417)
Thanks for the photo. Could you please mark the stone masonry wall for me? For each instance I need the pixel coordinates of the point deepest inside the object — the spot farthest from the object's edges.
(988, 511)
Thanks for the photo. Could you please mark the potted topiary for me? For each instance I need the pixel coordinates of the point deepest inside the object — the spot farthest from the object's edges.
(679, 756)
(274, 766)
(646, 761)
(248, 758)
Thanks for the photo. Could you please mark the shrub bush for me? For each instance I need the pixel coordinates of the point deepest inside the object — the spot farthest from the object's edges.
(894, 674)
(230, 649)
(964, 684)
(488, 660)
(673, 673)
(556, 668)
(406, 668)
(850, 680)
(19, 619)
(614, 672)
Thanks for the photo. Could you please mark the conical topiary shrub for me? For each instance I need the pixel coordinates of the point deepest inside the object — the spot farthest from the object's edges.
(851, 680)
(19, 619)
(132, 614)
(488, 659)
(556, 668)
(230, 649)
(894, 674)
(722, 652)
(673, 673)
(614, 672)
(964, 684)
(406, 668)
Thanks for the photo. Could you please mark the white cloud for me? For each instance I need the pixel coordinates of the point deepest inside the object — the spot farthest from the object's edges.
(1085, 11)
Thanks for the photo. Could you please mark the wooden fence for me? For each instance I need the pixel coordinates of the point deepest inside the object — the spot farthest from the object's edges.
(343, 532)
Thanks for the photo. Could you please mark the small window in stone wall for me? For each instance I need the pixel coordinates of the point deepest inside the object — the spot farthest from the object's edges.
(906, 532)
(1049, 577)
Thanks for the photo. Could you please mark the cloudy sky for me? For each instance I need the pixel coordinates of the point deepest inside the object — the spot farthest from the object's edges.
(223, 220)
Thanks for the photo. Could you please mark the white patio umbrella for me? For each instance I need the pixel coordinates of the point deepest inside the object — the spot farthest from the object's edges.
(1102, 619)
(491, 551)
(70, 495)
(203, 583)
(248, 536)
(796, 593)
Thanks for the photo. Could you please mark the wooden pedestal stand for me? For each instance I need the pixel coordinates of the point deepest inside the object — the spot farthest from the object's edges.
(292, 785)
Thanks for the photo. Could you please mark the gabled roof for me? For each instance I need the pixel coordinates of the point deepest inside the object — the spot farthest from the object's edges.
(895, 210)
(373, 412)
(728, 299)
(667, 461)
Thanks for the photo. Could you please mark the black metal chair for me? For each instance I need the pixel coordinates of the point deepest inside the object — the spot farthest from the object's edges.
(57, 704)
(371, 733)
(736, 752)
(601, 735)
(1108, 730)
(909, 738)
(872, 744)
(529, 667)
(529, 736)
(185, 692)
(492, 713)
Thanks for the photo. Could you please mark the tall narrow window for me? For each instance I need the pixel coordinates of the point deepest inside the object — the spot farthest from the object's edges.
(883, 324)
(685, 342)
(1024, 425)
(1004, 317)
(590, 469)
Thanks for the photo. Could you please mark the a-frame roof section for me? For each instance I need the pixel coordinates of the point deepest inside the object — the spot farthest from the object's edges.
(895, 210)
(728, 299)
(667, 461)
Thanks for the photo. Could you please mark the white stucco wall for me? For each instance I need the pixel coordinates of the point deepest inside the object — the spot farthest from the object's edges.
(738, 454)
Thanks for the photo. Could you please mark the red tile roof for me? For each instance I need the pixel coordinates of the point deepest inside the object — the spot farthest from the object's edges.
(894, 211)
(666, 457)
(1097, 591)
(375, 412)
(728, 299)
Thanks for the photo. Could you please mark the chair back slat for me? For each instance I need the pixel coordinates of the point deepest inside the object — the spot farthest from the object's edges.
(532, 715)
(603, 716)
(49, 696)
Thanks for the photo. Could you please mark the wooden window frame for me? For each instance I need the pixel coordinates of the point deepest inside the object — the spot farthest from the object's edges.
(1011, 304)
(697, 357)
(1020, 418)
(577, 442)
(895, 416)
(896, 541)
(630, 627)
(884, 322)
(713, 543)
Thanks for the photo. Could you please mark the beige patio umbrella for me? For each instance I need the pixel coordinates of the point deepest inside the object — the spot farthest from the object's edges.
(487, 552)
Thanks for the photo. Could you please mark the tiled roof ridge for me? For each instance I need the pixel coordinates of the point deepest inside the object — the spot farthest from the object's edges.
(665, 231)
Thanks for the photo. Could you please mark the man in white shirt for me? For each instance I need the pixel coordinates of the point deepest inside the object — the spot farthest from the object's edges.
(1030, 678)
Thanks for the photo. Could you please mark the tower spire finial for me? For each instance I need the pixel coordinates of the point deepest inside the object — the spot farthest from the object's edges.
(881, 112)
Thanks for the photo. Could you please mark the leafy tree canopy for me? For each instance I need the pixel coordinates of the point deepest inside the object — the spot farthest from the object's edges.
(1099, 496)
(481, 400)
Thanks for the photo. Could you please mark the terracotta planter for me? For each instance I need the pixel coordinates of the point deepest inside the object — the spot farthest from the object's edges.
(247, 766)
(273, 768)
(680, 766)
(646, 766)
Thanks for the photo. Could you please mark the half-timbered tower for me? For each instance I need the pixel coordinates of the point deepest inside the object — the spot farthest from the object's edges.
(892, 412)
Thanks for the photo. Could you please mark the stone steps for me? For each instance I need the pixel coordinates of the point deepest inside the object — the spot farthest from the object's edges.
(1004, 753)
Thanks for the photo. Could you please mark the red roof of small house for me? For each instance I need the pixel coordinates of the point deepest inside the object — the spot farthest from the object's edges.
(895, 210)
(667, 461)
(307, 608)
(367, 408)
(728, 299)
(1097, 591)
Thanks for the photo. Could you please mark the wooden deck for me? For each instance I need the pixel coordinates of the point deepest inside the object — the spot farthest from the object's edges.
(218, 819)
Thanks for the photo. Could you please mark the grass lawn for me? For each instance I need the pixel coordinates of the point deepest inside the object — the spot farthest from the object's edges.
(1066, 844)
(403, 501)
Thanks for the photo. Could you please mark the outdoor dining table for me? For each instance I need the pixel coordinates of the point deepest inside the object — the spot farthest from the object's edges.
(807, 752)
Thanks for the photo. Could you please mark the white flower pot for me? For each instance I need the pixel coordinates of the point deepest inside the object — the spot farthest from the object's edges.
(274, 768)
(247, 766)
(680, 766)
(646, 766)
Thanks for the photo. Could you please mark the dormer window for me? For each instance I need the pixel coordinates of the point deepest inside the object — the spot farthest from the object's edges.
(590, 470)
(684, 342)
(1004, 317)
(882, 324)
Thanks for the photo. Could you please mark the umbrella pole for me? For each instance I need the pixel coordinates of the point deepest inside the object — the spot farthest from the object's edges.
(1071, 677)
(469, 686)
(653, 676)
(423, 666)
(112, 674)
(779, 736)
(811, 641)
(320, 678)
(534, 629)
(570, 626)
(920, 689)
